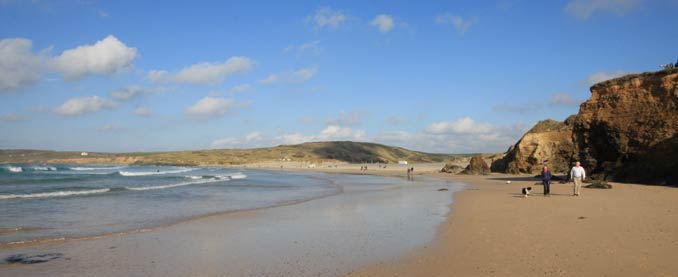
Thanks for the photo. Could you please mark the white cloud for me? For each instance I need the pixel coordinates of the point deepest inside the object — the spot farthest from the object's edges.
(226, 143)
(254, 136)
(301, 75)
(562, 99)
(204, 73)
(143, 111)
(212, 107)
(336, 132)
(601, 76)
(83, 105)
(270, 79)
(326, 17)
(383, 22)
(12, 117)
(126, 93)
(250, 140)
(352, 118)
(458, 136)
(308, 47)
(459, 23)
(464, 125)
(295, 138)
(240, 88)
(19, 67)
(330, 133)
(107, 56)
(584, 9)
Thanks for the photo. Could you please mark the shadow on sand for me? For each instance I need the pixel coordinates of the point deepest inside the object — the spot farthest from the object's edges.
(522, 178)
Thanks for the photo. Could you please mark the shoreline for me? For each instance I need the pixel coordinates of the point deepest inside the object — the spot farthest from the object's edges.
(346, 169)
(492, 230)
(337, 248)
(38, 242)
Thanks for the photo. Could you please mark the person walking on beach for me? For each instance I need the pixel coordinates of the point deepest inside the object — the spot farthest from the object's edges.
(577, 174)
(546, 180)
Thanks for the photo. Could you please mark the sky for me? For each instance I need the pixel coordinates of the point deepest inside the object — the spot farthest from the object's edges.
(436, 76)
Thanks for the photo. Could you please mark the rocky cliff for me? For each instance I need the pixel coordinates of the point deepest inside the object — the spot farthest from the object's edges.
(549, 143)
(628, 129)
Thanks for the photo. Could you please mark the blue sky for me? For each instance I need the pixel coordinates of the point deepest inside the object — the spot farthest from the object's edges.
(439, 76)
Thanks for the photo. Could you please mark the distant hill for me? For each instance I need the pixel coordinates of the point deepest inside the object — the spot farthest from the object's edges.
(342, 151)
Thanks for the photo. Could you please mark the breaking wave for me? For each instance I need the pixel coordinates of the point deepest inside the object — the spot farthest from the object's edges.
(55, 194)
(201, 181)
(145, 173)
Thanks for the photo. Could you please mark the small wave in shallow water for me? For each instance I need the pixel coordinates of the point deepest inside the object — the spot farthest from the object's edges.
(201, 181)
(81, 168)
(55, 194)
(157, 172)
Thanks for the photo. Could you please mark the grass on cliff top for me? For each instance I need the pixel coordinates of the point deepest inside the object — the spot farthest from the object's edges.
(548, 125)
(627, 77)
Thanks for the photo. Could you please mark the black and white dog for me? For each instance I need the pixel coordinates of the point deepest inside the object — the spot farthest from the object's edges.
(526, 191)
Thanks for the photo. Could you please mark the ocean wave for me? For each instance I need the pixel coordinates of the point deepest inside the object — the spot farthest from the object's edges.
(43, 168)
(15, 169)
(237, 175)
(174, 185)
(55, 194)
(79, 168)
(144, 173)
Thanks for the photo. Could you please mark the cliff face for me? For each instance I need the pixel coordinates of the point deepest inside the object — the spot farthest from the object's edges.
(549, 143)
(628, 129)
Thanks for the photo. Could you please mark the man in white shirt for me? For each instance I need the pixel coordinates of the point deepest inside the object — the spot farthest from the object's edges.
(577, 174)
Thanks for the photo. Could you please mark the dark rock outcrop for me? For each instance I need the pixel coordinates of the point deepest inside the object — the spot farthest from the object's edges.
(628, 129)
(477, 166)
(549, 143)
(452, 168)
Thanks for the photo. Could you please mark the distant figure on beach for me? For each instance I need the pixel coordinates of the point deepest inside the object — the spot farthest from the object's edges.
(577, 174)
(412, 170)
(546, 180)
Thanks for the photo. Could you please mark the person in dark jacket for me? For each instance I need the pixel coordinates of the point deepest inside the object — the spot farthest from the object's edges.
(546, 180)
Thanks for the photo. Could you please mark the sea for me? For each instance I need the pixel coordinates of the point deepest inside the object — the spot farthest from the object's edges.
(40, 202)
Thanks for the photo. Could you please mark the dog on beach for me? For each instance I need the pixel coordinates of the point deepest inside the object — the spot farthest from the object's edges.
(526, 191)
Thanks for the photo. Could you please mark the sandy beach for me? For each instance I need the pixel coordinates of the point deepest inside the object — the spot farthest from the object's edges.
(491, 231)
(629, 230)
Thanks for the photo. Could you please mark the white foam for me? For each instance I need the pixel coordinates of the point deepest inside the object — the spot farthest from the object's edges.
(15, 169)
(144, 173)
(78, 168)
(174, 185)
(55, 194)
(44, 168)
(194, 177)
(237, 176)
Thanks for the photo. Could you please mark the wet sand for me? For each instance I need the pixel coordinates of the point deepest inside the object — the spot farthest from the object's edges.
(629, 230)
(370, 222)
(492, 230)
